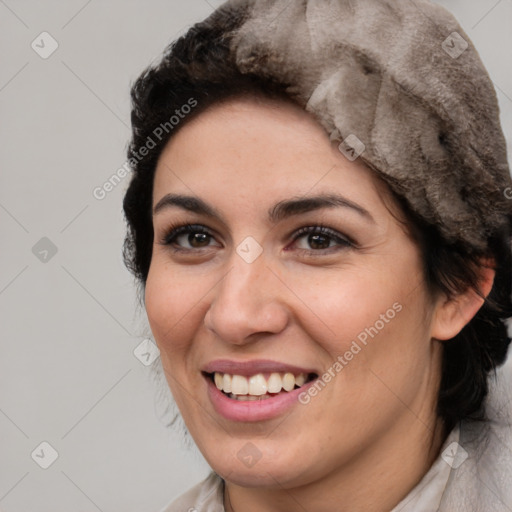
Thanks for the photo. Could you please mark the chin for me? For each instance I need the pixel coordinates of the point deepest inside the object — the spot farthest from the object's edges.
(243, 464)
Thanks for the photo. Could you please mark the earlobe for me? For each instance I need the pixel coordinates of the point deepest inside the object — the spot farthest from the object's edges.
(451, 315)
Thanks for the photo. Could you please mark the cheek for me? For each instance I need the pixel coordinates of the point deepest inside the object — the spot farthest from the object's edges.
(345, 305)
(377, 321)
(388, 357)
(173, 303)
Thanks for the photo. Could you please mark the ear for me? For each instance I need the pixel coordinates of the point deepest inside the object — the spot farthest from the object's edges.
(451, 315)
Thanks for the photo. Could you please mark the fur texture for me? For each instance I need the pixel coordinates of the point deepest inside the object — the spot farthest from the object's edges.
(377, 69)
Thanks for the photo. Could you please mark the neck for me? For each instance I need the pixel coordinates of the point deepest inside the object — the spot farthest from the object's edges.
(376, 482)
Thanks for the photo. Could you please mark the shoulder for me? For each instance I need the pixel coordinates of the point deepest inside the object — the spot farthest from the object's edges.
(206, 496)
(482, 478)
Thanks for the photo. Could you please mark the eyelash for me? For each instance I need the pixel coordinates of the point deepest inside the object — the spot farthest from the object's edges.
(344, 241)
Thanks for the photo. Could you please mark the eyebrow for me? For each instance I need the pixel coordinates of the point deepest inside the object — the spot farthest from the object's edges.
(281, 210)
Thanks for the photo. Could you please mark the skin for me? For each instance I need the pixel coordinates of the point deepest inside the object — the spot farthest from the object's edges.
(371, 434)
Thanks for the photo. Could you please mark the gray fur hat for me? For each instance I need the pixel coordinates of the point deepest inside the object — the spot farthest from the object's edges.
(399, 85)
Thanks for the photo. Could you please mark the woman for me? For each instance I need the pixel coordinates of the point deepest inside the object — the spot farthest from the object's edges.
(319, 225)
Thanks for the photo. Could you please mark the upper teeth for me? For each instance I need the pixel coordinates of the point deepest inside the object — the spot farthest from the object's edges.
(257, 384)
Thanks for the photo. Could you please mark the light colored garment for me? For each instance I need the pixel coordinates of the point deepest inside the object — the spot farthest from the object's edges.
(473, 472)
(426, 496)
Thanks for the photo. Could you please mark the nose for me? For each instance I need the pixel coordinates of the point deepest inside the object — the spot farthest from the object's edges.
(246, 302)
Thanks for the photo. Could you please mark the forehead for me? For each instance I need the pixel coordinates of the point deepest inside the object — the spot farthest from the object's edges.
(251, 148)
(258, 132)
(251, 113)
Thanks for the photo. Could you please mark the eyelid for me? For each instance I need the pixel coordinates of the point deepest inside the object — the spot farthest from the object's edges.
(323, 230)
(178, 229)
(343, 241)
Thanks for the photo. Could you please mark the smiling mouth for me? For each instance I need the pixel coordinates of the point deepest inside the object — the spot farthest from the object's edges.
(260, 386)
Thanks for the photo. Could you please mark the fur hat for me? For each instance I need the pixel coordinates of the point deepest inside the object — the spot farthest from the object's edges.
(399, 85)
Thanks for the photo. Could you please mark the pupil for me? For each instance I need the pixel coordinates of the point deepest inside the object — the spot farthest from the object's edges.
(197, 237)
(313, 240)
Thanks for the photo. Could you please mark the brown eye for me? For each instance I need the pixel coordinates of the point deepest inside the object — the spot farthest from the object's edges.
(319, 238)
(197, 239)
(195, 235)
(318, 241)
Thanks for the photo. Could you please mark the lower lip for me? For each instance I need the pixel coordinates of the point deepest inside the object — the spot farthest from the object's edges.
(253, 410)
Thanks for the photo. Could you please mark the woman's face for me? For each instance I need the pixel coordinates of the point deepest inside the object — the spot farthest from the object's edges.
(247, 295)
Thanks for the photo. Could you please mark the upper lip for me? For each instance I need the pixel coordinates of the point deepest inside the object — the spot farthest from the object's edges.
(248, 368)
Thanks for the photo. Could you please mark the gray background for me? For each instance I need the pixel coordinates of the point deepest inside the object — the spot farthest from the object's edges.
(69, 324)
